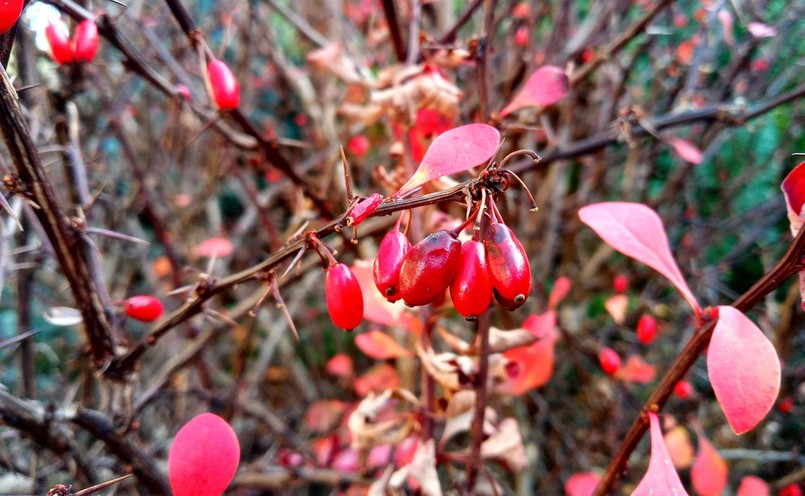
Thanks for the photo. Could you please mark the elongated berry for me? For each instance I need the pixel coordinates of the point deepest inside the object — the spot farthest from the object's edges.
(610, 360)
(386, 269)
(646, 329)
(61, 50)
(143, 307)
(429, 267)
(224, 88)
(508, 266)
(344, 297)
(10, 11)
(85, 41)
(471, 289)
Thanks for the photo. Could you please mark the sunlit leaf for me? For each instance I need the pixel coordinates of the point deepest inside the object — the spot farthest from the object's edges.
(454, 151)
(661, 477)
(380, 346)
(743, 368)
(62, 316)
(686, 150)
(616, 306)
(546, 86)
(560, 289)
(709, 471)
(677, 441)
(582, 484)
(753, 486)
(637, 231)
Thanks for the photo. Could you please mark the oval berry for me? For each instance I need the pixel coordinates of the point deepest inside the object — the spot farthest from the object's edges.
(610, 360)
(224, 88)
(429, 267)
(620, 283)
(85, 42)
(471, 289)
(145, 308)
(61, 50)
(508, 266)
(10, 11)
(344, 297)
(386, 269)
(646, 329)
(683, 389)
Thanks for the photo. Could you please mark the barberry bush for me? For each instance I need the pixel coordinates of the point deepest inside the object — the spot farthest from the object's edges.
(377, 247)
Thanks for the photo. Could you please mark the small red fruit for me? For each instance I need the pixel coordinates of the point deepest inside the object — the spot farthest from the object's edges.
(364, 209)
(683, 389)
(646, 329)
(358, 145)
(508, 266)
(786, 405)
(145, 308)
(85, 43)
(184, 92)
(791, 490)
(610, 360)
(61, 50)
(10, 11)
(386, 269)
(521, 36)
(429, 267)
(344, 297)
(620, 283)
(224, 88)
(471, 289)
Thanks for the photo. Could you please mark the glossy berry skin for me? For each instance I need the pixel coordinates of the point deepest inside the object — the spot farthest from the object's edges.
(610, 360)
(10, 11)
(145, 308)
(471, 289)
(429, 267)
(508, 266)
(683, 389)
(85, 41)
(386, 269)
(344, 297)
(223, 85)
(646, 329)
(620, 283)
(61, 50)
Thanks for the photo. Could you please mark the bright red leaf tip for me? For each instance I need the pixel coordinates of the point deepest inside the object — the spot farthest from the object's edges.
(743, 368)
(753, 486)
(561, 287)
(661, 477)
(214, 247)
(457, 150)
(709, 471)
(637, 231)
(546, 86)
(204, 457)
(380, 346)
(583, 484)
(535, 362)
(686, 150)
(794, 191)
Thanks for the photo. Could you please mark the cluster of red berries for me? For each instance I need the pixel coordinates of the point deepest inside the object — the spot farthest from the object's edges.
(474, 271)
(82, 48)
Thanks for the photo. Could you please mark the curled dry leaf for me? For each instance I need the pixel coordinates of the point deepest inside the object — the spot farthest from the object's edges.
(709, 471)
(661, 478)
(445, 367)
(333, 59)
(463, 422)
(546, 86)
(505, 446)
(500, 340)
(582, 484)
(380, 346)
(422, 469)
(743, 368)
(367, 430)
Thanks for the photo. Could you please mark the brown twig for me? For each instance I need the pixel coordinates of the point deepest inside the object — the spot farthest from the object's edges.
(390, 11)
(477, 428)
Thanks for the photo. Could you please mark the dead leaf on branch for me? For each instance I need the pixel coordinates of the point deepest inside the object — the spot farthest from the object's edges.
(369, 426)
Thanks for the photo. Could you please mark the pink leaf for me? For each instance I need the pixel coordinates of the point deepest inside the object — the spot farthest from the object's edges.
(323, 415)
(616, 306)
(375, 307)
(548, 85)
(340, 365)
(636, 370)
(380, 346)
(214, 247)
(561, 287)
(583, 484)
(661, 478)
(709, 471)
(378, 378)
(743, 368)
(637, 231)
(686, 150)
(726, 22)
(457, 150)
(760, 30)
(204, 457)
(534, 362)
(753, 486)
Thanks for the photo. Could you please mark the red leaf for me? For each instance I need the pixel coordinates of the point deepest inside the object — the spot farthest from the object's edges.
(454, 151)
(583, 484)
(637, 231)
(535, 362)
(321, 416)
(379, 378)
(661, 478)
(561, 287)
(753, 486)
(204, 457)
(340, 366)
(709, 471)
(680, 449)
(636, 370)
(686, 150)
(794, 191)
(546, 86)
(743, 368)
(214, 247)
(380, 346)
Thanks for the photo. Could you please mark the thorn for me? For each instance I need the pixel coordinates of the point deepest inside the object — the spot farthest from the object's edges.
(102, 485)
(275, 289)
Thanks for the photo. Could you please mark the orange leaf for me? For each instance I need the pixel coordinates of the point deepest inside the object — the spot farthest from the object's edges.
(709, 471)
(380, 346)
(636, 370)
(677, 440)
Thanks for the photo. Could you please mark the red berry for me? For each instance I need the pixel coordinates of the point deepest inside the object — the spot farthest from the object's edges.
(224, 88)
(364, 209)
(145, 308)
(508, 265)
(184, 92)
(386, 269)
(85, 43)
(620, 283)
(344, 297)
(791, 490)
(471, 290)
(358, 145)
(646, 329)
(683, 389)
(429, 267)
(521, 36)
(10, 11)
(610, 360)
(61, 50)
(786, 405)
